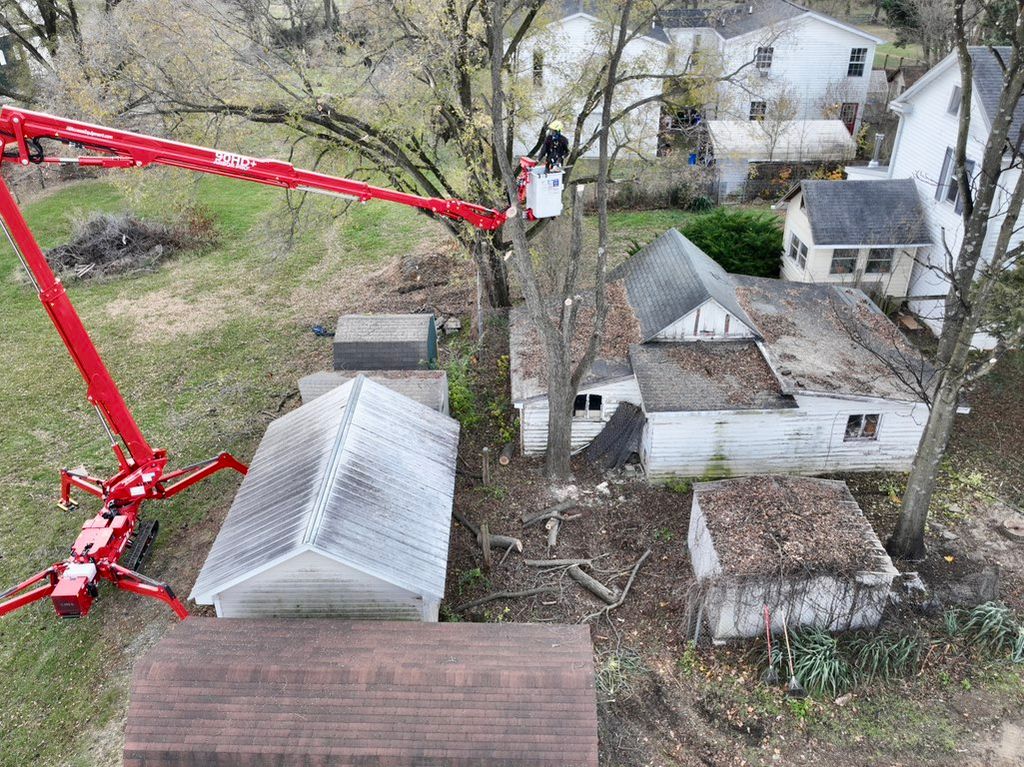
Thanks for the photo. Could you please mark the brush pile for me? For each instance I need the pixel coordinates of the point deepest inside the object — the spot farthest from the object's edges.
(108, 245)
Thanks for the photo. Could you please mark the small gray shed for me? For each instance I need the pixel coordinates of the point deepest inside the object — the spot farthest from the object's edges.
(428, 387)
(385, 342)
(345, 511)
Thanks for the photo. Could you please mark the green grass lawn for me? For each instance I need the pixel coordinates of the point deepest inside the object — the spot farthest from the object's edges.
(199, 349)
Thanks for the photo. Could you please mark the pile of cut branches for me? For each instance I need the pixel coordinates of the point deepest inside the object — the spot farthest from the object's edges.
(108, 245)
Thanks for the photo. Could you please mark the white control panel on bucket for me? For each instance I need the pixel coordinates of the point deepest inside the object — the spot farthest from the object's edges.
(544, 193)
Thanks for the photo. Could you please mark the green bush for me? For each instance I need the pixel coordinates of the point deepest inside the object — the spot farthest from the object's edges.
(819, 663)
(462, 400)
(742, 241)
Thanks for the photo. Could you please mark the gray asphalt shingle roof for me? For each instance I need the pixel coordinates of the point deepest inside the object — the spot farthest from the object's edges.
(988, 82)
(735, 20)
(428, 387)
(669, 278)
(884, 212)
(384, 327)
(701, 376)
(361, 474)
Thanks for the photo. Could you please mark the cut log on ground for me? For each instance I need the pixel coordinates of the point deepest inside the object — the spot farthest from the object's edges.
(625, 591)
(496, 541)
(505, 595)
(530, 518)
(594, 586)
(485, 544)
(506, 454)
(553, 526)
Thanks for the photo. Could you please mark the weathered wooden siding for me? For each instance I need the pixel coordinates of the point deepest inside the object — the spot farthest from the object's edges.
(312, 585)
(804, 440)
(710, 321)
(533, 416)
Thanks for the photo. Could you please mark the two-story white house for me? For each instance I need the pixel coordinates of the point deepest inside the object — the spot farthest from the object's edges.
(923, 154)
(767, 59)
(777, 56)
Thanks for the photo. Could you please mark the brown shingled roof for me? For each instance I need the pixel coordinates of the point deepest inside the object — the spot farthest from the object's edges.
(234, 693)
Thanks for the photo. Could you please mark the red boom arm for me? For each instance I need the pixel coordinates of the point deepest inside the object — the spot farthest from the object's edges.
(71, 585)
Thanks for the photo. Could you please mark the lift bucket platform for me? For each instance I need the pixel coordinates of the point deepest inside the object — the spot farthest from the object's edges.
(544, 193)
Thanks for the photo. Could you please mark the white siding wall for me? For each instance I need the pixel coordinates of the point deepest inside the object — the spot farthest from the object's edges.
(803, 440)
(809, 66)
(533, 416)
(571, 49)
(926, 131)
(707, 321)
(312, 585)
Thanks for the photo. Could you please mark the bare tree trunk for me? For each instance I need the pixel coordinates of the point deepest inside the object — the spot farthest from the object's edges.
(487, 255)
(561, 394)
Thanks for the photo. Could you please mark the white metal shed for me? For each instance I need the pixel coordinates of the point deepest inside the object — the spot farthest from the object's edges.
(737, 144)
(345, 511)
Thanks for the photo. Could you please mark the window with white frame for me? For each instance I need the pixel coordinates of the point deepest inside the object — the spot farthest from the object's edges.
(879, 261)
(954, 101)
(538, 67)
(844, 261)
(587, 406)
(758, 110)
(858, 58)
(948, 189)
(798, 251)
(763, 58)
(862, 428)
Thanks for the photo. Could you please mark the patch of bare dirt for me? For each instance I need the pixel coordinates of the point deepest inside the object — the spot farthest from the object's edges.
(172, 312)
(436, 276)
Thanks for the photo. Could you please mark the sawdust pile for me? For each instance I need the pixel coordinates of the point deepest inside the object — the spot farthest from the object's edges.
(621, 330)
(788, 526)
(108, 245)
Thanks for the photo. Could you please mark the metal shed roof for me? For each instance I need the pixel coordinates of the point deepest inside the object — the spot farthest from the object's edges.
(383, 327)
(669, 278)
(781, 141)
(257, 693)
(428, 387)
(363, 475)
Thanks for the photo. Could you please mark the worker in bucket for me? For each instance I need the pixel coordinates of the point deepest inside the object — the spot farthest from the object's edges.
(556, 147)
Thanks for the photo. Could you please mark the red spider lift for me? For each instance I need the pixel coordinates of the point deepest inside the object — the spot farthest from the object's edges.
(117, 532)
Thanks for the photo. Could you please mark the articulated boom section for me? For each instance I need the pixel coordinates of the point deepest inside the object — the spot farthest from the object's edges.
(116, 532)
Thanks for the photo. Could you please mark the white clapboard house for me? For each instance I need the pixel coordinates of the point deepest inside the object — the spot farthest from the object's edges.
(783, 61)
(737, 375)
(922, 155)
(345, 512)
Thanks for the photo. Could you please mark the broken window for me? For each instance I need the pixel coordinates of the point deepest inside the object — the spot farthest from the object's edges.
(798, 251)
(862, 427)
(879, 261)
(844, 260)
(587, 406)
(758, 110)
(858, 56)
(763, 59)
